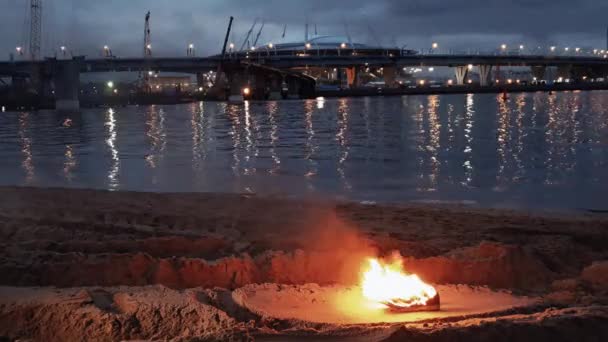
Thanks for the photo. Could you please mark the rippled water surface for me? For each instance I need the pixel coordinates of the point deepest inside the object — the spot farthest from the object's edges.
(527, 150)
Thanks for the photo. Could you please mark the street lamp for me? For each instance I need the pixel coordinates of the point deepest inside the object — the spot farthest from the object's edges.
(106, 51)
(19, 50)
(308, 46)
(343, 46)
(577, 50)
(269, 47)
(190, 51)
(435, 45)
(110, 84)
(521, 47)
(553, 49)
(470, 66)
(503, 47)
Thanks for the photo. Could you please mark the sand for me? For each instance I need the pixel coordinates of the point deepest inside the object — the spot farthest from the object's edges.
(96, 265)
(346, 305)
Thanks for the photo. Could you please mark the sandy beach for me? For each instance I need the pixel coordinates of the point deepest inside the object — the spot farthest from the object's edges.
(98, 265)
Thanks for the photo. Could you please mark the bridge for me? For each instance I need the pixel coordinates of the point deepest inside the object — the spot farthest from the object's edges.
(284, 70)
(198, 64)
(64, 73)
(350, 61)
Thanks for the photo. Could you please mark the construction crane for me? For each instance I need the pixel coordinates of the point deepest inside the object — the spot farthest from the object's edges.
(145, 74)
(255, 42)
(255, 22)
(35, 28)
(147, 42)
(372, 32)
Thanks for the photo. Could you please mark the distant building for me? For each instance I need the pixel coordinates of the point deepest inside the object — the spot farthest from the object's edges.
(172, 84)
(322, 45)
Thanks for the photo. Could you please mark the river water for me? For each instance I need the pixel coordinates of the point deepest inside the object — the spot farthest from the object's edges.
(529, 150)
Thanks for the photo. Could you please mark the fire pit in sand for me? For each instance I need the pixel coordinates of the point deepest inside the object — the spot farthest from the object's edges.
(386, 294)
(392, 288)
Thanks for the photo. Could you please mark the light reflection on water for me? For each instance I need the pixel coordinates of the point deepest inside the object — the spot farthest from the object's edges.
(113, 183)
(26, 148)
(523, 150)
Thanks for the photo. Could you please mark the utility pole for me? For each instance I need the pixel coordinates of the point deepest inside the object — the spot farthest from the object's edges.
(35, 28)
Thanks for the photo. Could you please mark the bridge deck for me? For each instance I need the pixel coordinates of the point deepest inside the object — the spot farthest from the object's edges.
(193, 64)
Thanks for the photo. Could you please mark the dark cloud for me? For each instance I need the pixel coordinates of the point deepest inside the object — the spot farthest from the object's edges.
(86, 25)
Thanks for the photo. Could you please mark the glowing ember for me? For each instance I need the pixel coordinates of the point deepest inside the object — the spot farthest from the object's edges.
(390, 286)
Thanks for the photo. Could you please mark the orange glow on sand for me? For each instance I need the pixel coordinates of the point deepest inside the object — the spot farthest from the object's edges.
(388, 285)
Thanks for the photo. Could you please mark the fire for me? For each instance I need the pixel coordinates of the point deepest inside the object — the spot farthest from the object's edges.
(390, 286)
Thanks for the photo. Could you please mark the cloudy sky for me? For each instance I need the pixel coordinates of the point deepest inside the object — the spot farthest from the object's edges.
(86, 25)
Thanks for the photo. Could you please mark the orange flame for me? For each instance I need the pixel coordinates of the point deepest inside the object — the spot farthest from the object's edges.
(389, 285)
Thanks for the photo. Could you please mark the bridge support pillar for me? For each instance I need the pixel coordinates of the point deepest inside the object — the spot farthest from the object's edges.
(19, 82)
(200, 79)
(67, 85)
(538, 71)
(390, 76)
(293, 86)
(352, 77)
(485, 72)
(276, 85)
(461, 73)
(263, 81)
(564, 71)
(238, 83)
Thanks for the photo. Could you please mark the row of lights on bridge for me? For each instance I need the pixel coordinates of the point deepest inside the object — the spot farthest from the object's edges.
(21, 51)
(308, 46)
(522, 47)
(190, 52)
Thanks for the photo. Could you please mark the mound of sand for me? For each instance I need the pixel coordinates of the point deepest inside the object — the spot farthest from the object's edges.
(114, 314)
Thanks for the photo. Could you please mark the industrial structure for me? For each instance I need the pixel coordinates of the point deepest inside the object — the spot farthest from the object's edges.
(285, 70)
(35, 29)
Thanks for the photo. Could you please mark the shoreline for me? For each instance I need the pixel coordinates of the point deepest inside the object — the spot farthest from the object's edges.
(105, 257)
(345, 93)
